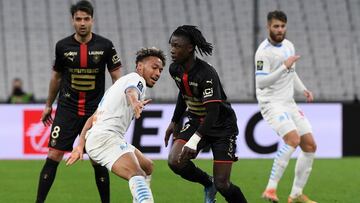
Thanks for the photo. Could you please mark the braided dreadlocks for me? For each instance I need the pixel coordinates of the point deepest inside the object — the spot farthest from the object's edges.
(196, 38)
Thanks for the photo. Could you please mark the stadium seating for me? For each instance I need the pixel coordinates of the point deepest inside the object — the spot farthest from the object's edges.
(326, 34)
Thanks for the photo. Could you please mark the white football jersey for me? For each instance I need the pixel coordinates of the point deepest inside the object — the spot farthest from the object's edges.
(269, 58)
(114, 113)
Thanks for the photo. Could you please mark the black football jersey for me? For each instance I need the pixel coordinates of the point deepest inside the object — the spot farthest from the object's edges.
(199, 86)
(82, 66)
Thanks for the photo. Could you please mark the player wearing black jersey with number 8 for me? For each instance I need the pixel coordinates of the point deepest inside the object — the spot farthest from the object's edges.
(78, 77)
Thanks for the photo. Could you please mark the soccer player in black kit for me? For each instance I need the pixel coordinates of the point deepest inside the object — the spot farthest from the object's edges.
(212, 121)
(78, 77)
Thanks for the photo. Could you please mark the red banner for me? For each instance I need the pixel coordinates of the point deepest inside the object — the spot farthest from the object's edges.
(35, 134)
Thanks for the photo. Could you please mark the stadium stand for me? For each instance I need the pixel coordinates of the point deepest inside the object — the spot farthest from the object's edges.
(326, 34)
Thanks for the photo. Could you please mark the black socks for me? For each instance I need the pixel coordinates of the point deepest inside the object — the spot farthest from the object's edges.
(192, 173)
(102, 182)
(47, 176)
(233, 194)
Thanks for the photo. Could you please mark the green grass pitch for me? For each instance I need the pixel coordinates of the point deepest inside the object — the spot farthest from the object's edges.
(332, 180)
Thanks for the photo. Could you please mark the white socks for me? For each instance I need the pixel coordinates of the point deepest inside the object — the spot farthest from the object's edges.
(302, 171)
(148, 180)
(280, 163)
(140, 190)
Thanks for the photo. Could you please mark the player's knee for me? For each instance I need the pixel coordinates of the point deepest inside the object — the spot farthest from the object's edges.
(176, 166)
(173, 165)
(310, 147)
(292, 140)
(314, 147)
(222, 183)
(308, 144)
(149, 167)
(55, 155)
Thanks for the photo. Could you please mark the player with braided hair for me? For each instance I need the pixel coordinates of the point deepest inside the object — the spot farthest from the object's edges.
(202, 97)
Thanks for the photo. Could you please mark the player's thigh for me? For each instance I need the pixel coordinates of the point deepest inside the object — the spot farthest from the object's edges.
(106, 148)
(65, 129)
(146, 164)
(55, 154)
(223, 148)
(185, 133)
(279, 118)
(303, 125)
(127, 166)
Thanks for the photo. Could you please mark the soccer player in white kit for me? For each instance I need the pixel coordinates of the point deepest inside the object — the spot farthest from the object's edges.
(103, 133)
(276, 81)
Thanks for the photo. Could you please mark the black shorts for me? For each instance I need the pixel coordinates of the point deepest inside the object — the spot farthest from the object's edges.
(65, 128)
(223, 148)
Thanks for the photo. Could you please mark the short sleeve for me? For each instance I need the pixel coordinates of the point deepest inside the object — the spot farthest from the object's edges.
(211, 87)
(58, 65)
(137, 82)
(113, 60)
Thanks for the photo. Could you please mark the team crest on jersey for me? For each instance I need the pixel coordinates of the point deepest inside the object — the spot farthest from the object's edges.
(96, 55)
(140, 86)
(96, 58)
(259, 65)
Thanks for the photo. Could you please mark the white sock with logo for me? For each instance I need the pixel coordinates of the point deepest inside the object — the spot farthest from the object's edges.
(302, 171)
(280, 163)
(140, 190)
(148, 180)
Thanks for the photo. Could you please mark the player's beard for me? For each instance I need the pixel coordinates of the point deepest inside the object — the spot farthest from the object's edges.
(83, 33)
(277, 38)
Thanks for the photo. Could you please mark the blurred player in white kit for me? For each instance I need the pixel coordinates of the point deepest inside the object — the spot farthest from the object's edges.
(276, 81)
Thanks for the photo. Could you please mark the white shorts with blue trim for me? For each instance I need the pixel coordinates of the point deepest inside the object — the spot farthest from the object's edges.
(105, 148)
(284, 117)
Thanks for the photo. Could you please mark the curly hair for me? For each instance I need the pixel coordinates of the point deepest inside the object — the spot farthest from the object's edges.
(152, 51)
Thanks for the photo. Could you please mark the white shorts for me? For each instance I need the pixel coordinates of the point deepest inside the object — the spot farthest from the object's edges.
(284, 117)
(106, 148)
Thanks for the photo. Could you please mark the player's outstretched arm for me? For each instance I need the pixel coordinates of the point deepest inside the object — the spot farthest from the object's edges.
(76, 154)
(78, 151)
(137, 105)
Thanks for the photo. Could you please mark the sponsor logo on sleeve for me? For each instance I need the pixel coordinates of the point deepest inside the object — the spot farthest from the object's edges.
(140, 86)
(259, 65)
(208, 92)
(115, 59)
